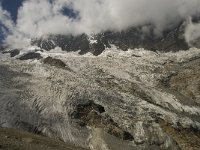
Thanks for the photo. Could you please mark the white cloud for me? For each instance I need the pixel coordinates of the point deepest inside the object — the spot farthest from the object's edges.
(192, 32)
(8, 28)
(42, 17)
(5, 20)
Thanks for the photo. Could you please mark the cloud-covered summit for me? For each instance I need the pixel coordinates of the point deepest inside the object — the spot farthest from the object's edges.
(38, 18)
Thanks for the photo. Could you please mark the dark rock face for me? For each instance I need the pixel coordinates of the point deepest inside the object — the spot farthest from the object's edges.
(55, 62)
(68, 43)
(171, 40)
(31, 55)
(13, 52)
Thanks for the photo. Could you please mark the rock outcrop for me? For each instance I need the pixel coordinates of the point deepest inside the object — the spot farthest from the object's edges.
(12, 53)
(30, 55)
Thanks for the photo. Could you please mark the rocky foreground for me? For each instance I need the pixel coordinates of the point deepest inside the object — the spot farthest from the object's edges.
(118, 100)
(11, 139)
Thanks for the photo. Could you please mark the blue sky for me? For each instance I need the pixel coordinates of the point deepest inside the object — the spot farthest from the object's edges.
(12, 7)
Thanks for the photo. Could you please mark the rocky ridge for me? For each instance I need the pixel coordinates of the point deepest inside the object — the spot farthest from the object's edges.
(131, 38)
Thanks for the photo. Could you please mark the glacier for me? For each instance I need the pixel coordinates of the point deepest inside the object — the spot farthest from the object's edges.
(116, 100)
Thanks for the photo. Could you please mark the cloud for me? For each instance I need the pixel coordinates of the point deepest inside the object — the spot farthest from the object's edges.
(38, 18)
(6, 22)
(13, 38)
(192, 33)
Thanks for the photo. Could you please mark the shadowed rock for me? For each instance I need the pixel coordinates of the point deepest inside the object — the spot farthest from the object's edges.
(31, 55)
(55, 62)
(13, 52)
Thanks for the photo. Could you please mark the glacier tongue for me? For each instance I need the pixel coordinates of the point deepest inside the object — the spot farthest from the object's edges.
(117, 100)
